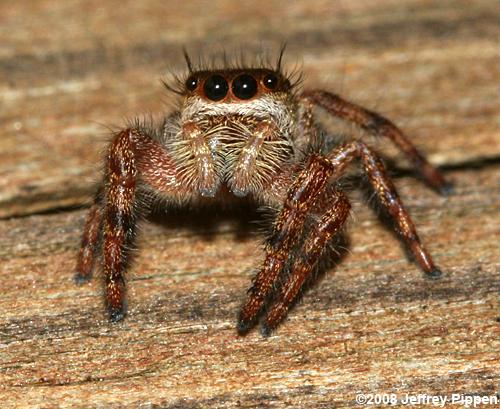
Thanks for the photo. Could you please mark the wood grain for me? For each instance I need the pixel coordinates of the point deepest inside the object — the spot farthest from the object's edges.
(373, 324)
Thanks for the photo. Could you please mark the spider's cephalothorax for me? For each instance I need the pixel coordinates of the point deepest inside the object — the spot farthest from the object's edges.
(237, 127)
(247, 132)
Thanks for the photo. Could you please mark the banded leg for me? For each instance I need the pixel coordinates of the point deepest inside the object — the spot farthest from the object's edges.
(119, 217)
(131, 153)
(301, 198)
(330, 224)
(378, 125)
(90, 239)
(388, 197)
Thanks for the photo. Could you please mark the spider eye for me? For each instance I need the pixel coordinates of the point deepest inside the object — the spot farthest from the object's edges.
(216, 87)
(244, 86)
(191, 83)
(271, 81)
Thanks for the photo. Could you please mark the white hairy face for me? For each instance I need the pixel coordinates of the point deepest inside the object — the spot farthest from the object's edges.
(278, 109)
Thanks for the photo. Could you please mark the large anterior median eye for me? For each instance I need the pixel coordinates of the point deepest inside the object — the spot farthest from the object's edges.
(244, 86)
(216, 87)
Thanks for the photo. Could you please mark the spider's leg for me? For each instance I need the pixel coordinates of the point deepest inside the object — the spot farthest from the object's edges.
(90, 238)
(388, 197)
(317, 239)
(378, 125)
(119, 218)
(300, 199)
(133, 155)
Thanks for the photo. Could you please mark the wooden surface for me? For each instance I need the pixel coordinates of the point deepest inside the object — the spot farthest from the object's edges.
(68, 70)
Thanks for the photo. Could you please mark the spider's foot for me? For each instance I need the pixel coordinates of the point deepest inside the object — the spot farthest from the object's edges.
(248, 316)
(275, 315)
(447, 189)
(434, 274)
(265, 330)
(117, 315)
(244, 326)
(81, 278)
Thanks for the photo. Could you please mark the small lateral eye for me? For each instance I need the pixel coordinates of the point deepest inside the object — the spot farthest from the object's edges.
(216, 87)
(191, 83)
(270, 81)
(244, 86)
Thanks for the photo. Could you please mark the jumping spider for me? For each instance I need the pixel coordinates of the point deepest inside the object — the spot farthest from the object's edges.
(247, 131)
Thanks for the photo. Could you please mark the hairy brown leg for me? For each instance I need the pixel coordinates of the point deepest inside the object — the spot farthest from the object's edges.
(378, 125)
(301, 197)
(90, 238)
(317, 239)
(119, 226)
(308, 135)
(388, 197)
(131, 154)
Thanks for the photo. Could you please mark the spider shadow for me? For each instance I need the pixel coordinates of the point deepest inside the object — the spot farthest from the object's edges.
(205, 219)
(331, 258)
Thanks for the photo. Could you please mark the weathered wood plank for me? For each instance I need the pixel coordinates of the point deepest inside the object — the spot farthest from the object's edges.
(373, 324)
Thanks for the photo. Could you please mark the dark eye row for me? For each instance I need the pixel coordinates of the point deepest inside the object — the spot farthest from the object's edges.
(244, 86)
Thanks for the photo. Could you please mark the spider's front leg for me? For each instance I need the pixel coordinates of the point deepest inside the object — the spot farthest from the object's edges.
(119, 218)
(378, 125)
(307, 257)
(302, 198)
(132, 157)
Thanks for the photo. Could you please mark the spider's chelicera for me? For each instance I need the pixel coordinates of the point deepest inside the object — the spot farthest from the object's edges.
(247, 132)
